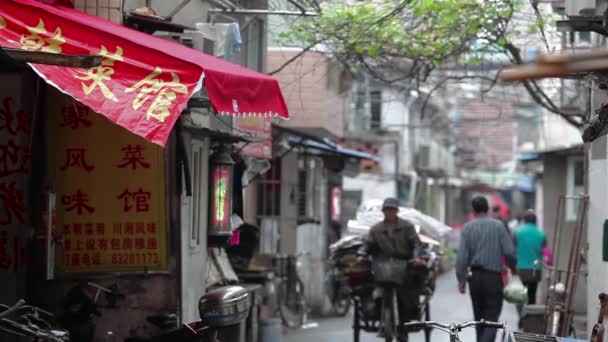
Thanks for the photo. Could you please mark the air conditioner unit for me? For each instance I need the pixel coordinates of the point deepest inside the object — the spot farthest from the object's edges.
(580, 7)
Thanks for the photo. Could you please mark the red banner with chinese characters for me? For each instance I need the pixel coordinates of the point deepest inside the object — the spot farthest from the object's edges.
(15, 172)
(110, 190)
(144, 82)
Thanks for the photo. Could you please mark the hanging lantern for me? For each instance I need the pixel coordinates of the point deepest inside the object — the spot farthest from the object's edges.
(221, 193)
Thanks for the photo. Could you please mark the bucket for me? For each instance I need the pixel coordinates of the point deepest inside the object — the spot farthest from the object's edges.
(271, 330)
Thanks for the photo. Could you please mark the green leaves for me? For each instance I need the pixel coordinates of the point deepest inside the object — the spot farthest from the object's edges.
(432, 31)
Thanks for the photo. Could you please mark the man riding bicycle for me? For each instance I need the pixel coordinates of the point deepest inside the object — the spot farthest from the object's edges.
(395, 238)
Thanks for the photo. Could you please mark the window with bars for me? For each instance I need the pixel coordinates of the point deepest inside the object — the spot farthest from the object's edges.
(269, 192)
(375, 98)
(302, 193)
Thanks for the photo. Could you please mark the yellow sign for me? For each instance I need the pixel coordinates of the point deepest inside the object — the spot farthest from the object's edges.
(110, 193)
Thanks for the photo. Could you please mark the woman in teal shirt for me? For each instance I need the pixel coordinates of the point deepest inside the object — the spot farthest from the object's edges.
(529, 242)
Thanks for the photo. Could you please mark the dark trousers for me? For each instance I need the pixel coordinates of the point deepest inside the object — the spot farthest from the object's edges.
(486, 294)
(532, 287)
(530, 279)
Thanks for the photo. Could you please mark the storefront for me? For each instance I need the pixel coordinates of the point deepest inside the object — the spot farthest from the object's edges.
(95, 177)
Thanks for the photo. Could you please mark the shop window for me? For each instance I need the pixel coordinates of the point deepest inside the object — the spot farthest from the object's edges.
(576, 183)
(376, 109)
(302, 193)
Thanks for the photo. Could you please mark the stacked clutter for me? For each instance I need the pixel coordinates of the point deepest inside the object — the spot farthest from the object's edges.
(343, 255)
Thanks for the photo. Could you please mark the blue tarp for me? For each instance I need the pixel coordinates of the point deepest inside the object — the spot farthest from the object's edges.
(528, 156)
(335, 149)
(525, 183)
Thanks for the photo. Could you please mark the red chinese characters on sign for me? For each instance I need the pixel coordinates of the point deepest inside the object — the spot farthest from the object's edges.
(74, 116)
(140, 200)
(78, 202)
(12, 253)
(12, 204)
(14, 159)
(76, 158)
(14, 122)
(133, 158)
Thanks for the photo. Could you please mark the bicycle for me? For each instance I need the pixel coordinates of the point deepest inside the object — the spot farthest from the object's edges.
(31, 322)
(555, 311)
(453, 328)
(390, 309)
(292, 301)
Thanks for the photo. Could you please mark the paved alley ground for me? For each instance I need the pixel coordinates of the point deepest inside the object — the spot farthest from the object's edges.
(447, 306)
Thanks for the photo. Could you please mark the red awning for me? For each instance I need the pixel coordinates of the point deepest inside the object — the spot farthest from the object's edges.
(144, 82)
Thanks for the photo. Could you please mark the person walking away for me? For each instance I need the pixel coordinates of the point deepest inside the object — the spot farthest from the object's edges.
(483, 243)
(529, 243)
(396, 238)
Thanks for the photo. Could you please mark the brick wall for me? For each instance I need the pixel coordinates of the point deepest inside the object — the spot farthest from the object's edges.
(305, 86)
(107, 9)
(488, 128)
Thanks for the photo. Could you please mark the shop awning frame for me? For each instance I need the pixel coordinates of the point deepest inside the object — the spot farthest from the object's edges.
(47, 58)
(346, 152)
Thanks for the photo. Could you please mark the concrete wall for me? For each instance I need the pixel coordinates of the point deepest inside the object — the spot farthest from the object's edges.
(194, 255)
(372, 186)
(289, 209)
(311, 89)
(107, 9)
(598, 194)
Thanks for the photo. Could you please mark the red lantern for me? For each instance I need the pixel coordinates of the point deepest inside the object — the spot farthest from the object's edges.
(221, 193)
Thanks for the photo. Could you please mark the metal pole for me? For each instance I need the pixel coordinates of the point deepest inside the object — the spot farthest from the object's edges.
(397, 164)
(574, 265)
(553, 274)
(37, 57)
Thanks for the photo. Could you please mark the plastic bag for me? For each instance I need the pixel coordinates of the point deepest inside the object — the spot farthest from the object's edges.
(515, 291)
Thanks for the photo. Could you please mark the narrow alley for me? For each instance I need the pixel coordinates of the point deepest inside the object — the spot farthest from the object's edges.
(447, 306)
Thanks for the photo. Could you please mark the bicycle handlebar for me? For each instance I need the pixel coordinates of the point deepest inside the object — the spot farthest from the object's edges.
(454, 326)
(12, 309)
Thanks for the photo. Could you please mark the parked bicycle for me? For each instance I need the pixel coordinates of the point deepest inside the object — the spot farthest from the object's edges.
(556, 301)
(219, 309)
(292, 301)
(31, 323)
(453, 329)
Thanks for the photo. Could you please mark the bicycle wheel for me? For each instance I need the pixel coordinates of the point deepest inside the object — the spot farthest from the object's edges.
(389, 314)
(356, 323)
(427, 318)
(292, 304)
